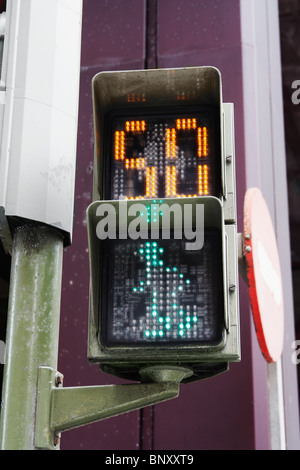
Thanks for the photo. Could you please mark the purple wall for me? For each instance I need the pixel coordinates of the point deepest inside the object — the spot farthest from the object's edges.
(226, 412)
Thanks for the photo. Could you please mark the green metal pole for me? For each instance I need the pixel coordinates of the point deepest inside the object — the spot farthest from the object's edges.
(32, 331)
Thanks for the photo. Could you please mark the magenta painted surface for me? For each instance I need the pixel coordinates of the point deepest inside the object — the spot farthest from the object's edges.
(113, 34)
(186, 26)
(217, 413)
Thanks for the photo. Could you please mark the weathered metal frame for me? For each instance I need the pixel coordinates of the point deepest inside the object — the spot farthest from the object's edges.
(226, 351)
(149, 89)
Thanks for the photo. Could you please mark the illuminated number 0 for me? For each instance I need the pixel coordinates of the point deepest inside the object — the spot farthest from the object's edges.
(202, 151)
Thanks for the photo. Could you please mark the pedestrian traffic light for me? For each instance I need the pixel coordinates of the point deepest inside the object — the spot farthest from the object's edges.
(162, 227)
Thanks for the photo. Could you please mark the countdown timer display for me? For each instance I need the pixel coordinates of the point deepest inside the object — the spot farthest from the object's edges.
(163, 156)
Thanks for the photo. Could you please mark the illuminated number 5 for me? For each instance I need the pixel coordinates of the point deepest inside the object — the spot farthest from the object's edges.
(135, 163)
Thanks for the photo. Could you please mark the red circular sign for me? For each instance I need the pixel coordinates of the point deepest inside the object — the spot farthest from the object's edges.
(264, 275)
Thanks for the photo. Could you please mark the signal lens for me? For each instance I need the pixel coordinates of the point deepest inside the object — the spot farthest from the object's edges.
(163, 156)
(158, 292)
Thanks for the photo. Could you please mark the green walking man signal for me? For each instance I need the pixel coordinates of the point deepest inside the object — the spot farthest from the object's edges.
(162, 226)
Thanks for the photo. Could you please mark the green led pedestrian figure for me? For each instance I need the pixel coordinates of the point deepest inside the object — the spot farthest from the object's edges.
(163, 287)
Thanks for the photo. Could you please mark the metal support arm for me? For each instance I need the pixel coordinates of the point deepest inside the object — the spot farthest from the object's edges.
(60, 409)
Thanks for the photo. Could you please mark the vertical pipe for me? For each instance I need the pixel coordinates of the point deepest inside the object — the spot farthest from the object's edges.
(32, 331)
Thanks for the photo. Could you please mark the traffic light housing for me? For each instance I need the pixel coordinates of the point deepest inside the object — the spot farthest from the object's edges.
(162, 227)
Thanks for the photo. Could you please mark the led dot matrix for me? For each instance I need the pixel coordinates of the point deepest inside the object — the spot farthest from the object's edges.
(162, 156)
(167, 295)
(157, 291)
